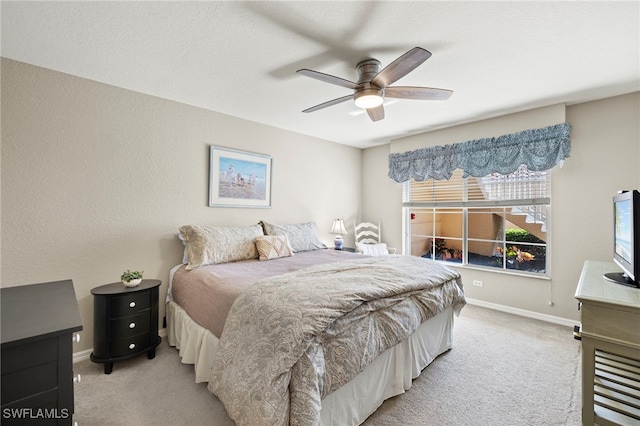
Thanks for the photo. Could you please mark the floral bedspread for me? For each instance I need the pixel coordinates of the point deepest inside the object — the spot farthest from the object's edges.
(292, 339)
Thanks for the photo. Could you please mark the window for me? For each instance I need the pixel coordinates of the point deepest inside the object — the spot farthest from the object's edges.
(496, 222)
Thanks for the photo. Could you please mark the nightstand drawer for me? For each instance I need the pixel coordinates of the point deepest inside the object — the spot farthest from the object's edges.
(132, 345)
(130, 304)
(130, 326)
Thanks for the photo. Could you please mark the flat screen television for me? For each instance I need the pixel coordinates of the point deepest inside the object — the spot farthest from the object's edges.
(626, 238)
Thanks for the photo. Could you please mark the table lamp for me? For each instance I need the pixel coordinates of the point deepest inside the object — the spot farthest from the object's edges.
(338, 229)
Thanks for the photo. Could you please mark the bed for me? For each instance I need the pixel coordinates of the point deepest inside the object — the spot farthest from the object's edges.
(289, 332)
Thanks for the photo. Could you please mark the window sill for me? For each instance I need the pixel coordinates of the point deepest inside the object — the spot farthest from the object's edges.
(498, 271)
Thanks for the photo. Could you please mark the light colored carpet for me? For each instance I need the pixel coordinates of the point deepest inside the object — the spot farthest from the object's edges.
(503, 370)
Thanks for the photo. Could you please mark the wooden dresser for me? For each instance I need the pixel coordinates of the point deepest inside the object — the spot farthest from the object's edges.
(610, 332)
(38, 322)
(125, 322)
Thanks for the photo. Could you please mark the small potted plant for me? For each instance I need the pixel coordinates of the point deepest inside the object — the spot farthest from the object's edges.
(131, 278)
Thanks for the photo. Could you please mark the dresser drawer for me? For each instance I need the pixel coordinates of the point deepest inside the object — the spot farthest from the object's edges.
(30, 381)
(130, 304)
(38, 403)
(28, 355)
(29, 369)
(131, 326)
(131, 345)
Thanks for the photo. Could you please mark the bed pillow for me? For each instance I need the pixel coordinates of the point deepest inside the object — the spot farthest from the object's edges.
(372, 249)
(273, 247)
(211, 245)
(185, 254)
(301, 236)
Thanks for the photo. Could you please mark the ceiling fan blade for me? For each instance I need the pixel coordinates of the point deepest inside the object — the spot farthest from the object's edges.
(376, 114)
(401, 67)
(327, 78)
(423, 93)
(329, 103)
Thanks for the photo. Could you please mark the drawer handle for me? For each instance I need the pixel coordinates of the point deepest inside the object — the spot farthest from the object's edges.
(132, 345)
(77, 378)
(132, 304)
(132, 325)
(76, 337)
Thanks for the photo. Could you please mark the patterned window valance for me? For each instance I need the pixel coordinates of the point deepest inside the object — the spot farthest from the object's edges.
(538, 149)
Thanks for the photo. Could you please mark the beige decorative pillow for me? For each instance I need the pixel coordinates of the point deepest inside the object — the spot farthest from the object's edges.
(301, 236)
(273, 246)
(207, 245)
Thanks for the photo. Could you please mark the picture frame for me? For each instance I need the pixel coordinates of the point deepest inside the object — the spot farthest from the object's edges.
(239, 178)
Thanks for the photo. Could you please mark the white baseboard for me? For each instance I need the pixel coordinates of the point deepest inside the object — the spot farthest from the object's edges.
(84, 355)
(523, 313)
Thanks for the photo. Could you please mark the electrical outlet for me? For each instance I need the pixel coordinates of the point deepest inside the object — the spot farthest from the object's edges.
(478, 283)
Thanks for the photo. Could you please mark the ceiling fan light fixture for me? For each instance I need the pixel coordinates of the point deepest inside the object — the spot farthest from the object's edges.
(368, 98)
(374, 82)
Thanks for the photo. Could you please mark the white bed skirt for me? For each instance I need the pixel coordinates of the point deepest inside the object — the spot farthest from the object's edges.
(388, 375)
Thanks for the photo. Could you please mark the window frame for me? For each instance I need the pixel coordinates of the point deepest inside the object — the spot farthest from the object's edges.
(464, 206)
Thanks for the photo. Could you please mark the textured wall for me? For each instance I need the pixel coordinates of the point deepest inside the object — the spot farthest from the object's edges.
(97, 179)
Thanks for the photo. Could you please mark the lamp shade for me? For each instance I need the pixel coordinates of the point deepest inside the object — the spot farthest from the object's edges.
(368, 98)
(338, 227)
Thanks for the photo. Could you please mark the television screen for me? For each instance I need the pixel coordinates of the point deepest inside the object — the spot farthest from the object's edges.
(626, 238)
(623, 216)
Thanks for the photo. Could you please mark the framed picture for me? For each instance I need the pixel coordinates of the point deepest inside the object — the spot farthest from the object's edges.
(239, 178)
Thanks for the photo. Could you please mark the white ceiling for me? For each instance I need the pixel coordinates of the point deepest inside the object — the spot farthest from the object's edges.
(240, 58)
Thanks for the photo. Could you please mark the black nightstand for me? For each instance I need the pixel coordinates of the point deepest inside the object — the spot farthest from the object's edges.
(349, 249)
(125, 322)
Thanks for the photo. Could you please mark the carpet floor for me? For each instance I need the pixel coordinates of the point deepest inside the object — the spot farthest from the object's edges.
(503, 370)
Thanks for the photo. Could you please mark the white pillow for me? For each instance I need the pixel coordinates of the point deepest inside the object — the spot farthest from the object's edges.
(185, 254)
(210, 245)
(372, 249)
(301, 236)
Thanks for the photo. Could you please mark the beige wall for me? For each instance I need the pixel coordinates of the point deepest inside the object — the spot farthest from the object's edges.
(97, 179)
(604, 158)
(381, 196)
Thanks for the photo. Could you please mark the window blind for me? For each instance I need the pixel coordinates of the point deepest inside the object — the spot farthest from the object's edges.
(522, 187)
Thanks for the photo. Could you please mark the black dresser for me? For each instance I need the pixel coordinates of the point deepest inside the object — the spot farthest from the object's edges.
(38, 322)
(125, 322)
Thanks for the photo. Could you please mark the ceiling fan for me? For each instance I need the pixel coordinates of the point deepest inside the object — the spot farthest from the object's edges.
(373, 85)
